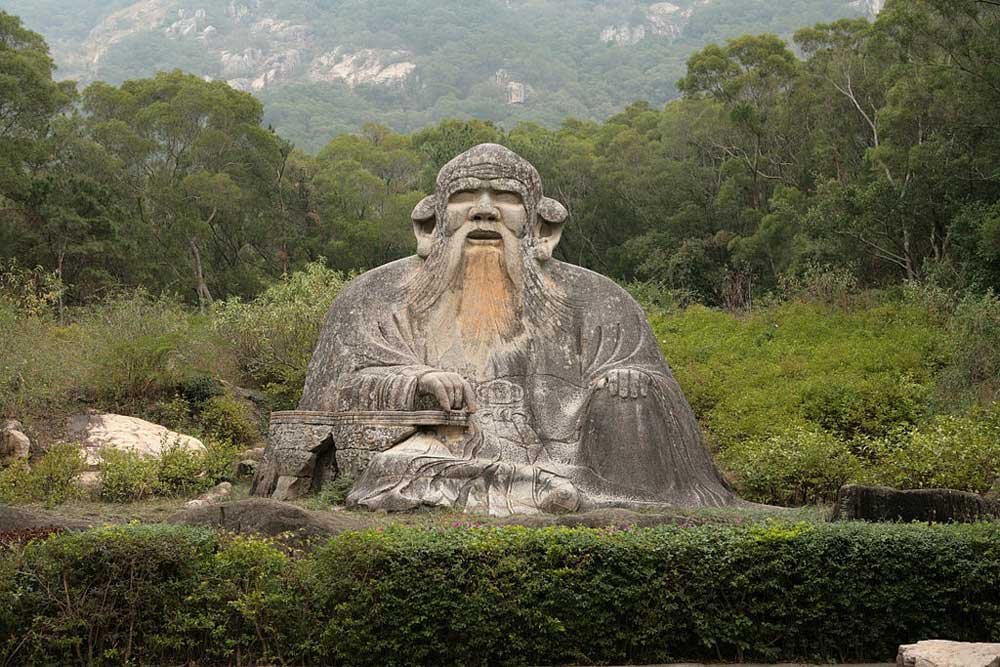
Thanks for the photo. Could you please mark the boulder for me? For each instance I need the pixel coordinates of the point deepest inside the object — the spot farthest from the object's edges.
(14, 444)
(219, 492)
(939, 653)
(96, 430)
(270, 518)
(880, 503)
(17, 519)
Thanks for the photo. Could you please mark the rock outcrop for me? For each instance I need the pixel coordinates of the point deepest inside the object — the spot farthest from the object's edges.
(880, 503)
(96, 430)
(218, 493)
(14, 444)
(938, 653)
(15, 519)
(366, 66)
(270, 518)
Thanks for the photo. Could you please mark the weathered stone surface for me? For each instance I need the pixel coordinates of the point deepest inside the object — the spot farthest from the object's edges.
(97, 430)
(550, 391)
(880, 503)
(219, 492)
(939, 653)
(19, 518)
(268, 517)
(14, 444)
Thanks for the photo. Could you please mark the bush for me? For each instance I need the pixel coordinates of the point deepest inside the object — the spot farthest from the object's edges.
(955, 452)
(144, 347)
(514, 595)
(801, 466)
(126, 476)
(274, 335)
(228, 419)
(800, 365)
(50, 480)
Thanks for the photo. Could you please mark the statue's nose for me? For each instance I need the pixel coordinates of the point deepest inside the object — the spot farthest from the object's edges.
(484, 213)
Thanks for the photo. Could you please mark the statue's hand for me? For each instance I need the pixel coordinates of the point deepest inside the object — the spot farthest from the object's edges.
(451, 390)
(625, 383)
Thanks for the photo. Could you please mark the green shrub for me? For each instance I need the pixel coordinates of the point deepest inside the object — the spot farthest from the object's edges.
(800, 466)
(955, 452)
(514, 595)
(802, 365)
(126, 476)
(50, 480)
(973, 371)
(230, 419)
(103, 596)
(273, 336)
(199, 389)
(180, 472)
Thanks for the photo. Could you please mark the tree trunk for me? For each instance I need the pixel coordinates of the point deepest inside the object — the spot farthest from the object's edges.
(204, 295)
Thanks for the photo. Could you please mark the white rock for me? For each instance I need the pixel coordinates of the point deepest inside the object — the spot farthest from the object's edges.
(939, 653)
(14, 444)
(97, 430)
(218, 492)
(365, 66)
(624, 35)
(667, 19)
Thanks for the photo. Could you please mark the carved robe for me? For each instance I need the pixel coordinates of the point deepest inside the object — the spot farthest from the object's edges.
(580, 411)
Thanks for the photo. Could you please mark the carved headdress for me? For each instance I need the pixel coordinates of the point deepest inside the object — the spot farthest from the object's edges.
(504, 169)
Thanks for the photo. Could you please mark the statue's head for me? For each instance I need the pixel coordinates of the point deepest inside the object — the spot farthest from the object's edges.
(489, 196)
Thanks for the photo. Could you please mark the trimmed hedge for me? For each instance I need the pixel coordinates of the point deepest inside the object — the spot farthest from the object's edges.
(513, 595)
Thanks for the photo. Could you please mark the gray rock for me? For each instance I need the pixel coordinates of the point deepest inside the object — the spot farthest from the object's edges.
(486, 376)
(881, 503)
(217, 493)
(938, 653)
(14, 519)
(14, 444)
(268, 517)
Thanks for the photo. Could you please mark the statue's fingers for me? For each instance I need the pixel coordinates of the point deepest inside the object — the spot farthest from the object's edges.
(613, 382)
(623, 383)
(644, 384)
(456, 394)
(440, 393)
(470, 396)
(452, 389)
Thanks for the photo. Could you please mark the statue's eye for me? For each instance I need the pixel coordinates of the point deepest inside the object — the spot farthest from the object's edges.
(510, 198)
(463, 197)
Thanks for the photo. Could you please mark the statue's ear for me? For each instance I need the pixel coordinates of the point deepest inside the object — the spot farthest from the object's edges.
(423, 217)
(551, 216)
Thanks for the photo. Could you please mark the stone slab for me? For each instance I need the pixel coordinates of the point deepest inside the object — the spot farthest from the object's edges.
(881, 503)
(941, 653)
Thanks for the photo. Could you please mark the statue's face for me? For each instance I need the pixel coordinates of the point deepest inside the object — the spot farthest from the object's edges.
(486, 215)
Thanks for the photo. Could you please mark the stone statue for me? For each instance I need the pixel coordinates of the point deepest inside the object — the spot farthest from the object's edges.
(486, 376)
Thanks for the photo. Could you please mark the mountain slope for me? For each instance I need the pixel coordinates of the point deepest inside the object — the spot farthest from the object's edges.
(327, 66)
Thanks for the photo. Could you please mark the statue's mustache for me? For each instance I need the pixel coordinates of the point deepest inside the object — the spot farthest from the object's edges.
(485, 231)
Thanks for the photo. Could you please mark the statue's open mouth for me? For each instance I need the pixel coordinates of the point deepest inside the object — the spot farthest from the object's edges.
(484, 236)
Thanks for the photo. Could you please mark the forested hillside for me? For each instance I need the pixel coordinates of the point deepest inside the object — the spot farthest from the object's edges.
(813, 227)
(323, 68)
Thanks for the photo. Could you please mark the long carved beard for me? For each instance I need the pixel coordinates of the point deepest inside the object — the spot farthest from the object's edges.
(492, 295)
(489, 307)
